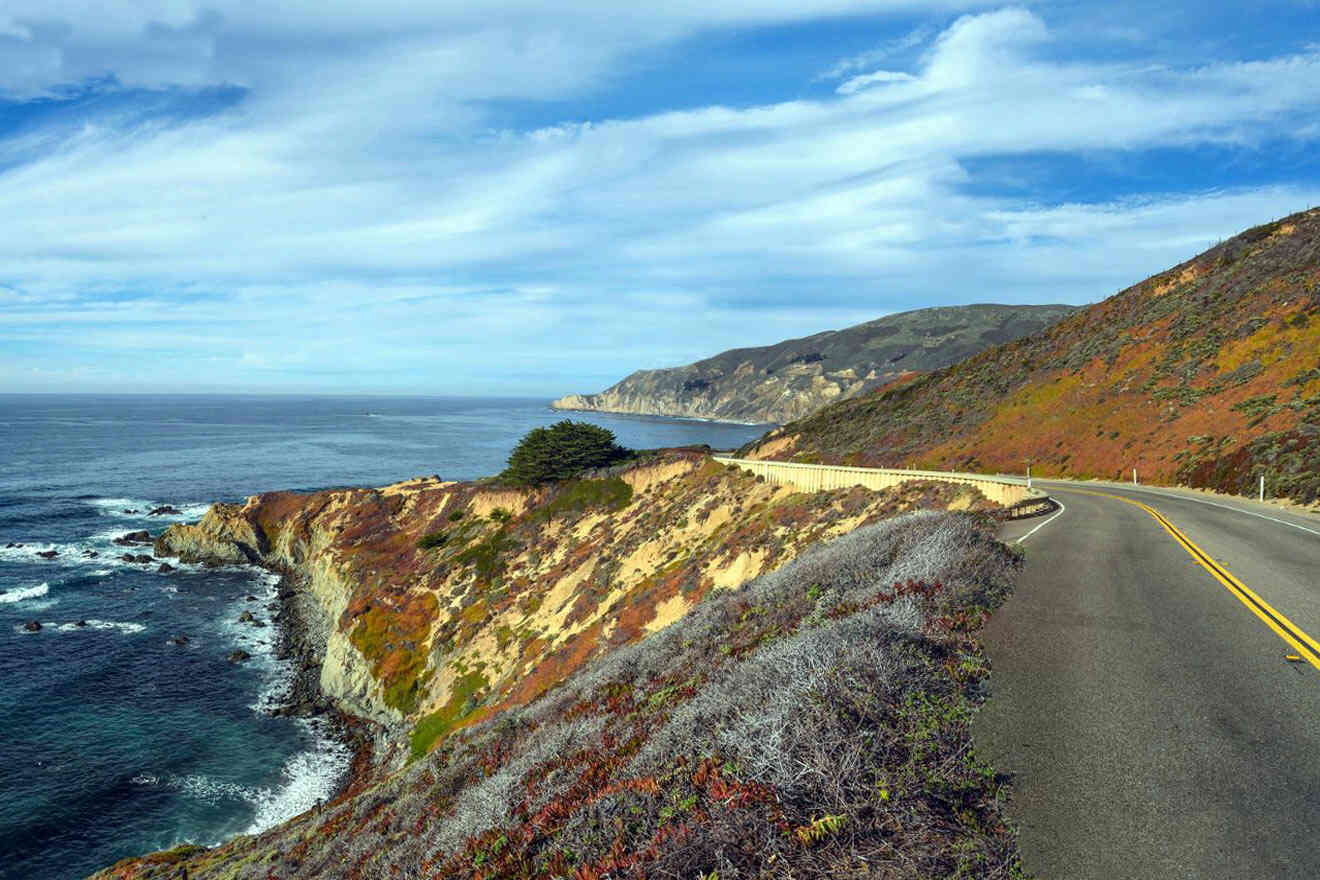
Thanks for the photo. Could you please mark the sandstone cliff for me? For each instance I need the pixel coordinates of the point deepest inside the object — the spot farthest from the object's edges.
(438, 604)
(794, 378)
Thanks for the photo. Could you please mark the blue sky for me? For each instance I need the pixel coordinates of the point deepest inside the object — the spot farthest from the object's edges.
(527, 198)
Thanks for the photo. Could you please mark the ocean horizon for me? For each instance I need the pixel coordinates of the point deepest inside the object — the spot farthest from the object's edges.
(127, 727)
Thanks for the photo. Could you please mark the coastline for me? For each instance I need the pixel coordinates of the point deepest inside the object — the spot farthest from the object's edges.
(679, 418)
(301, 643)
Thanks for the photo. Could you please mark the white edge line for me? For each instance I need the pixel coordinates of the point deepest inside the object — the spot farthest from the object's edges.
(1040, 526)
(1178, 496)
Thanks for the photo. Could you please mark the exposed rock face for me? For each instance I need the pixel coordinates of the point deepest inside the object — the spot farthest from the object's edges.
(223, 537)
(524, 587)
(791, 379)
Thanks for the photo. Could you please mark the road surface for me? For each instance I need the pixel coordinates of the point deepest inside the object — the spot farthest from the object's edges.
(1145, 704)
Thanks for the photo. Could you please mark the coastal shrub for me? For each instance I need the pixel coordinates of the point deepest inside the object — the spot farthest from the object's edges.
(432, 539)
(577, 496)
(811, 724)
(561, 451)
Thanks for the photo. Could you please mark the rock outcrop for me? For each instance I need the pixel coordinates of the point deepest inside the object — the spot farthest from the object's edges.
(794, 378)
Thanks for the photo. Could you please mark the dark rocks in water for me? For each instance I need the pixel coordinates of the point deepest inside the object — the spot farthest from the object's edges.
(128, 557)
(258, 623)
(90, 554)
(144, 558)
(133, 538)
(80, 623)
(181, 641)
(238, 656)
(250, 598)
(165, 568)
(130, 510)
(48, 554)
(32, 626)
(246, 617)
(12, 546)
(165, 510)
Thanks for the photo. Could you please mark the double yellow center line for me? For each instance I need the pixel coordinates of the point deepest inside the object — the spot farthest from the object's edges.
(1305, 646)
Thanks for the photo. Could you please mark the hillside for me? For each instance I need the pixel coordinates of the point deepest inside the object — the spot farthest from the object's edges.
(532, 667)
(793, 378)
(1207, 375)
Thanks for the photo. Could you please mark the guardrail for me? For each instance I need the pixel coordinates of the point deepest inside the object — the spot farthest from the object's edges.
(1014, 496)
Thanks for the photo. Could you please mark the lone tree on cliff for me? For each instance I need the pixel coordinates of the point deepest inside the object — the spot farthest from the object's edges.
(563, 450)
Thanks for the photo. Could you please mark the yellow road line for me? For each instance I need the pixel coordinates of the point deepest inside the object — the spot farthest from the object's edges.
(1284, 628)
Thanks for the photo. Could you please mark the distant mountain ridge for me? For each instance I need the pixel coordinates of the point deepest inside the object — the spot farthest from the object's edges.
(791, 379)
(1207, 374)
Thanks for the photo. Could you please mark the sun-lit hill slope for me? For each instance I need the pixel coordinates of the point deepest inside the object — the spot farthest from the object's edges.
(440, 604)
(795, 377)
(1207, 374)
(814, 723)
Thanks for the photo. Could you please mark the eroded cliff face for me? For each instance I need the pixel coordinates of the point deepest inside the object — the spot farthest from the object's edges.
(794, 378)
(441, 604)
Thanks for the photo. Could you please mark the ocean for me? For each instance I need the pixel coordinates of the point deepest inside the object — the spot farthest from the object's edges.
(116, 735)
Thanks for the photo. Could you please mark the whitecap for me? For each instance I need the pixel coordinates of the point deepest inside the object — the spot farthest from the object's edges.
(116, 507)
(117, 626)
(145, 779)
(24, 593)
(309, 778)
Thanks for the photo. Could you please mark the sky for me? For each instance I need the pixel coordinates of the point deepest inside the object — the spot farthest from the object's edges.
(522, 198)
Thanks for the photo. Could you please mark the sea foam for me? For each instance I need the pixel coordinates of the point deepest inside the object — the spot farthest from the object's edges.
(24, 593)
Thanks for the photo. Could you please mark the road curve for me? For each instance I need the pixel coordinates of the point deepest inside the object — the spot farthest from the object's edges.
(1151, 720)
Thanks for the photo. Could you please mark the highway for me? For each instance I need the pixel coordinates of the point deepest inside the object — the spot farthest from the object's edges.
(1141, 691)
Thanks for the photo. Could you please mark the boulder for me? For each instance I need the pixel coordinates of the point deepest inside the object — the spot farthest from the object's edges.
(246, 617)
(32, 626)
(90, 554)
(80, 623)
(48, 554)
(165, 568)
(238, 656)
(164, 510)
(132, 538)
(130, 510)
(181, 641)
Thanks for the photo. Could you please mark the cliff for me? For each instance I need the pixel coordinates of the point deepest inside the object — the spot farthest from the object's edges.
(796, 377)
(555, 638)
(442, 603)
(1207, 374)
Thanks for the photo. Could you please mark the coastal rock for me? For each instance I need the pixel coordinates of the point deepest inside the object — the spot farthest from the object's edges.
(32, 626)
(166, 568)
(134, 538)
(246, 617)
(130, 510)
(222, 537)
(48, 554)
(90, 554)
(181, 641)
(164, 510)
(80, 623)
(238, 656)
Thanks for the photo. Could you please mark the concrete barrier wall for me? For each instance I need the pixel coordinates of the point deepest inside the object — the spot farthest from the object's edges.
(815, 477)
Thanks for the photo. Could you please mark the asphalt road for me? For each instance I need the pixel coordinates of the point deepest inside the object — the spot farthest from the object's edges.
(1151, 722)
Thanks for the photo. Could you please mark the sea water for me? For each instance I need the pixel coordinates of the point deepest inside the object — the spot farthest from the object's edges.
(116, 736)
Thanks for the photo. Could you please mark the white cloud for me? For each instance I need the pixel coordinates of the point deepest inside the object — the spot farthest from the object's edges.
(857, 83)
(359, 212)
